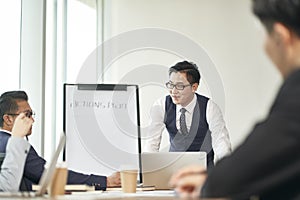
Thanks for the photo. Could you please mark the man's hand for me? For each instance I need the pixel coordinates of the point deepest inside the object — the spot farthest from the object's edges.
(189, 181)
(114, 180)
(22, 125)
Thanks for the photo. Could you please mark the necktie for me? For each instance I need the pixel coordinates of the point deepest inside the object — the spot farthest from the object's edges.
(182, 123)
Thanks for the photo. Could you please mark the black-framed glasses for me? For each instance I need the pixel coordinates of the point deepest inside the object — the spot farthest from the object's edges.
(28, 113)
(170, 85)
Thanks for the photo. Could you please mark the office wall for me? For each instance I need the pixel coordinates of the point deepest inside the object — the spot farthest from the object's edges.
(226, 31)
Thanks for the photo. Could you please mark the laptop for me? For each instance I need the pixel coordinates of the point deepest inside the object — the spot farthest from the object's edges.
(49, 172)
(157, 168)
(46, 177)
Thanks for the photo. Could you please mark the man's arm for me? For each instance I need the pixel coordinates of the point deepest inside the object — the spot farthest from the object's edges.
(34, 168)
(99, 182)
(188, 181)
(16, 152)
(219, 133)
(13, 164)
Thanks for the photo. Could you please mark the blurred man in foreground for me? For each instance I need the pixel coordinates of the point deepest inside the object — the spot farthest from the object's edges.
(267, 164)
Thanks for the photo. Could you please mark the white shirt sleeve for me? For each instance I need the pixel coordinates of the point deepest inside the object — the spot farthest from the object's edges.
(13, 165)
(157, 125)
(219, 133)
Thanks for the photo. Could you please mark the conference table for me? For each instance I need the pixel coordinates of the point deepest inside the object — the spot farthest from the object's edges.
(113, 195)
(116, 195)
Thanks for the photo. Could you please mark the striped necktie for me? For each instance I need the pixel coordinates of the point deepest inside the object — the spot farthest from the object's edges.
(182, 122)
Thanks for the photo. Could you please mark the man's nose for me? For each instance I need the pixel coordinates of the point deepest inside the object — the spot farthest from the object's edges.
(174, 90)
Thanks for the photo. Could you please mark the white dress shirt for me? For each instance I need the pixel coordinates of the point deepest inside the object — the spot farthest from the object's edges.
(216, 124)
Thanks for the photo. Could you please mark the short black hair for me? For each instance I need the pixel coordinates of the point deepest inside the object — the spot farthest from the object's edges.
(8, 102)
(286, 12)
(189, 68)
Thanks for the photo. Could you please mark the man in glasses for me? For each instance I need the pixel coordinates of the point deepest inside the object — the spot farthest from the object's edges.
(194, 122)
(13, 103)
(15, 156)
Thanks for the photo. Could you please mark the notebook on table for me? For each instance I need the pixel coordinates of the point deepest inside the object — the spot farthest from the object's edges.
(158, 167)
(46, 176)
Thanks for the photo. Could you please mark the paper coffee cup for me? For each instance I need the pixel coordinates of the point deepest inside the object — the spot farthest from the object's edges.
(128, 178)
(59, 180)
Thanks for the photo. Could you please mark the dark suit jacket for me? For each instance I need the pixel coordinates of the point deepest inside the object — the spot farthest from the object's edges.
(34, 168)
(267, 164)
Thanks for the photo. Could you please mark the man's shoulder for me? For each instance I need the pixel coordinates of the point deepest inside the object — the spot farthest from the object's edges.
(4, 135)
(200, 96)
(3, 140)
(202, 99)
(167, 100)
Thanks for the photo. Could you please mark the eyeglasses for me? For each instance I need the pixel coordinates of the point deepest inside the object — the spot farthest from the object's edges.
(28, 113)
(170, 85)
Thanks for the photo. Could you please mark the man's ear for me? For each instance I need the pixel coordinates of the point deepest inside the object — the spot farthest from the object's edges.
(282, 34)
(8, 121)
(195, 87)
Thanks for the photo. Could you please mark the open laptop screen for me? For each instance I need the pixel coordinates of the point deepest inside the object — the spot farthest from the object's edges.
(158, 167)
(49, 171)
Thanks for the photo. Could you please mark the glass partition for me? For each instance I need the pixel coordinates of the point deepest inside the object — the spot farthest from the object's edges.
(10, 20)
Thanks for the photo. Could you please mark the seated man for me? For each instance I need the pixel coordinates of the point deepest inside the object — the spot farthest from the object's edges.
(15, 155)
(267, 164)
(200, 127)
(12, 104)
